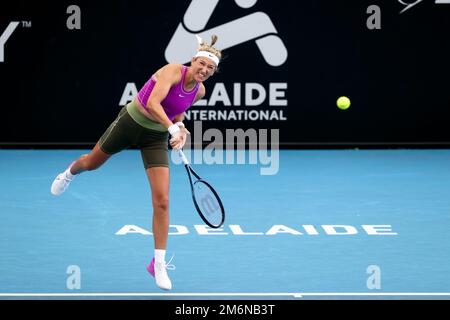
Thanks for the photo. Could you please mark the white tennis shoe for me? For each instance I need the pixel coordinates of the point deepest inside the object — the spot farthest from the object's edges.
(159, 271)
(60, 184)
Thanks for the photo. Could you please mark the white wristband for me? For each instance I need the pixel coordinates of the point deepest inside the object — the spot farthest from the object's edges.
(180, 124)
(173, 129)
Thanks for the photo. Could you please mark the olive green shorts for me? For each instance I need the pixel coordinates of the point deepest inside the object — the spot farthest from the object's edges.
(132, 129)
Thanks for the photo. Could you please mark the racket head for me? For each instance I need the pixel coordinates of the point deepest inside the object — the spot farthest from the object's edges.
(208, 204)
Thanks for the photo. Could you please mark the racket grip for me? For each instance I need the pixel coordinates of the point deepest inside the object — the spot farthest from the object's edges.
(183, 157)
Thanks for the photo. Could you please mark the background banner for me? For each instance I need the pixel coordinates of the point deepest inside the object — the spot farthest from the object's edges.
(67, 67)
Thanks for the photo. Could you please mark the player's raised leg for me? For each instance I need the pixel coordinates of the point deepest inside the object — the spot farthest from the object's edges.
(90, 161)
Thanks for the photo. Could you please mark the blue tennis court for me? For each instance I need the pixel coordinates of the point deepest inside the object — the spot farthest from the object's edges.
(328, 224)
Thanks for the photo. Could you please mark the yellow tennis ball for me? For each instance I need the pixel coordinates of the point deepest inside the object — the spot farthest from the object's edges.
(343, 103)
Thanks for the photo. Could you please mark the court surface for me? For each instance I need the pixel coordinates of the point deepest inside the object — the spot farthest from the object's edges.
(331, 224)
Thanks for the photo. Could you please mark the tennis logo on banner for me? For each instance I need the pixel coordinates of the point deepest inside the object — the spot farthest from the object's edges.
(7, 33)
(256, 27)
(238, 101)
(408, 4)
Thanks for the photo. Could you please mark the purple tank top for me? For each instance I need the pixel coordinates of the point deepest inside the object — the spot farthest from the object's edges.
(177, 100)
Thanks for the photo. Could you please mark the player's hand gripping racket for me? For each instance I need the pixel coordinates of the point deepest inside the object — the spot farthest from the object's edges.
(206, 200)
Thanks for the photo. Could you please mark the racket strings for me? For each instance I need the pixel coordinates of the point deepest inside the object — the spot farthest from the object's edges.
(208, 203)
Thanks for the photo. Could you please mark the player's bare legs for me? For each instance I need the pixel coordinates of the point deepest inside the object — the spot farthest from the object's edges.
(159, 182)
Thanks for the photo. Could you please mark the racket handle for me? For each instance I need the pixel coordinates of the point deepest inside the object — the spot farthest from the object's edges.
(183, 157)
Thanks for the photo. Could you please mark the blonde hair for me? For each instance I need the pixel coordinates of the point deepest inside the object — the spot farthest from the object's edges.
(209, 47)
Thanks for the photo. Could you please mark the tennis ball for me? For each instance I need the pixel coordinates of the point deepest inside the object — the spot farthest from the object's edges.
(343, 103)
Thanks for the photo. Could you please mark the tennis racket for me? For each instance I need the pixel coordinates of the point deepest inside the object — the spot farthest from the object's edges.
(206, 200)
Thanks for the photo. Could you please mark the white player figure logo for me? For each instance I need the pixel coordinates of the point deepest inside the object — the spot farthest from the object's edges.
(256, 25)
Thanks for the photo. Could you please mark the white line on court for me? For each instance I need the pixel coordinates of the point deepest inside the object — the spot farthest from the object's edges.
(118, 294)
(215, 294)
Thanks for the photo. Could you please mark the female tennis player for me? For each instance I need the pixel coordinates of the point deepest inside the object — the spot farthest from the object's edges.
(146, 122)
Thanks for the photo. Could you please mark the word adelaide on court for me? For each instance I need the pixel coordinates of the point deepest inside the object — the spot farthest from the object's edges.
(237, 230)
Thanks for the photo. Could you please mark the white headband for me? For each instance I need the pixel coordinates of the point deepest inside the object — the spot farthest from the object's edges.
(206, 54)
